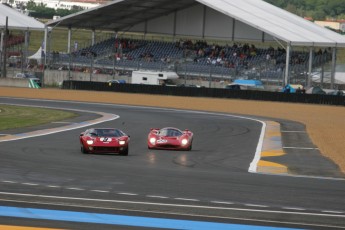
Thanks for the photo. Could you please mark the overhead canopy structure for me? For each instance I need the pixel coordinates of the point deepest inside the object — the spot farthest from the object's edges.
(217, 19)
(17, 20)
(12, 19)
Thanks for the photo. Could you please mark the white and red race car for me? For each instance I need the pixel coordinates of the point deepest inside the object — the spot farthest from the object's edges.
(170, 138)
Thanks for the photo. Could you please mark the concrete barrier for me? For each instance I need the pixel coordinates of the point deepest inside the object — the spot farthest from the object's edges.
(19, 82)
(14, 82)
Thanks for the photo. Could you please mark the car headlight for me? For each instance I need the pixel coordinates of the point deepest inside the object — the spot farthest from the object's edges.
(122, 142)
(153, 140)
(184, 142)
(89, 142)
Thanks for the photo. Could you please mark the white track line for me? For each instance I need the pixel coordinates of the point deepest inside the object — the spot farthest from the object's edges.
(186, 199)
(158, 197)
(9, 182)
(222, 202)
(178, 205)
(127, 194)
(105, 117)
(101, 191)
(30, 184)
(77, 189)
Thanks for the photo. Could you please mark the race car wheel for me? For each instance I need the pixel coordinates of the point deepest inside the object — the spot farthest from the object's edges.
(124, 152)
(83, 150)
(190, 147)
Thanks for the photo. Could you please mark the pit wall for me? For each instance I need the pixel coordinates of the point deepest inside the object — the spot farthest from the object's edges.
(14, 82)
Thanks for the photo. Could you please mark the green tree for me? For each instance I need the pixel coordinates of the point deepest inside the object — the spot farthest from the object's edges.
(31, 5)
(292, 8)
(318, 9)
(62, 12)
(42, 11)
(318, 15)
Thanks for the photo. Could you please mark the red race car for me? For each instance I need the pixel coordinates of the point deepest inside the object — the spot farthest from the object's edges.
(104, 140)
(170, 138)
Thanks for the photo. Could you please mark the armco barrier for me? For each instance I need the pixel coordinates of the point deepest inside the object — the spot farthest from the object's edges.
(207, 92)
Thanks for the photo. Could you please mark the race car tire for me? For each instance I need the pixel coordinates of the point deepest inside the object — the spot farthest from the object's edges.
(83, 150)
(124, 152)
(190, 147)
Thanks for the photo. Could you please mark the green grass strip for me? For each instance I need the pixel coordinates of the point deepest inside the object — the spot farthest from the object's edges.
(12, 117)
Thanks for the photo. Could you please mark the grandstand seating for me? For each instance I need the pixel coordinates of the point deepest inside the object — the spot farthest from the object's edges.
(198, 59)
(14, 40)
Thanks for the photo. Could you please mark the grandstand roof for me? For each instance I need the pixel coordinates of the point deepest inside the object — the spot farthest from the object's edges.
(17, 20)
(217, 19)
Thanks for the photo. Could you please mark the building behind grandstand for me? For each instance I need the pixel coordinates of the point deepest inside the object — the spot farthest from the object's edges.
(57, 4)
(336, 25)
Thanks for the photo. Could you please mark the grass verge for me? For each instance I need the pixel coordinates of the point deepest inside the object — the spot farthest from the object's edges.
(12, 117)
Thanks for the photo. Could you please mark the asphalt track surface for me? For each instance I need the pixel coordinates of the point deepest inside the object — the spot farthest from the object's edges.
(209, 184)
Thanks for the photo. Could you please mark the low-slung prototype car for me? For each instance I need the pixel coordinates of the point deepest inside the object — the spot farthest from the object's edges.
(170, 138)
(104, 140)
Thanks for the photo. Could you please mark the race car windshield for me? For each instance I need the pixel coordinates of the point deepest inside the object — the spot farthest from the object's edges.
(108, 133)
(170, 133)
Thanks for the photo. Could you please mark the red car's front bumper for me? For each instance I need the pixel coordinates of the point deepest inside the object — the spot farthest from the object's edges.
(169, 146)
(105, 149)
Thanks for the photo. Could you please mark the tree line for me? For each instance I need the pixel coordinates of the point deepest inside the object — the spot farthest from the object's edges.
(316, 9)
(42, 11)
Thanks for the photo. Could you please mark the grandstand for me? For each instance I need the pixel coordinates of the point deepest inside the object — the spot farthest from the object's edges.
(233, 26)
(234, 21)
(193, 59)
